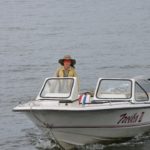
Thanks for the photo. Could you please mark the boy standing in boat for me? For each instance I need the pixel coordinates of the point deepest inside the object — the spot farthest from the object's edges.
(67, 69)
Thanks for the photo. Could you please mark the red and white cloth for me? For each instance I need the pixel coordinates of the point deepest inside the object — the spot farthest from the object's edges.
(84, 99)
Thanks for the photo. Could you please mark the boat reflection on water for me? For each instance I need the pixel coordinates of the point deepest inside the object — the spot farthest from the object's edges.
(118, 110)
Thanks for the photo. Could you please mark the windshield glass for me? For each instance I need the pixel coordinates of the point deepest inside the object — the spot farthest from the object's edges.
(59, 87)
(140, 93)
(114, 89)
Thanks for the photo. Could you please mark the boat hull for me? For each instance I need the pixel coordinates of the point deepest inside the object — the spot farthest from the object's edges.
(97, 126)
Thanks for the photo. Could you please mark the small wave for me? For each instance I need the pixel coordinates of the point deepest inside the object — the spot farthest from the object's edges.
(45, 144)
(134, 66)
(18, 28)
(125, 67)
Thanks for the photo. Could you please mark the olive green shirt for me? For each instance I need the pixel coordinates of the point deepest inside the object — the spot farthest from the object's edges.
(62, 72)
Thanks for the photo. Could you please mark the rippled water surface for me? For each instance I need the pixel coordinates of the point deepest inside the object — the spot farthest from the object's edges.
(107, 38)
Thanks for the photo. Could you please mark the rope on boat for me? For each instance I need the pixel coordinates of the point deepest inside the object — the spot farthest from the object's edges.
(56, 141)
(46, 125)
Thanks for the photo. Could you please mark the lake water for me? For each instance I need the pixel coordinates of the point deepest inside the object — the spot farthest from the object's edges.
(106, 37)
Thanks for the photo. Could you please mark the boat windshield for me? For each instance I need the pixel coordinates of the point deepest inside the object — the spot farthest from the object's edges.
(114, 89)
(57, 88)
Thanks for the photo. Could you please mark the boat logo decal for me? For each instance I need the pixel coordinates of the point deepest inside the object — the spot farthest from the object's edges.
(134, 118)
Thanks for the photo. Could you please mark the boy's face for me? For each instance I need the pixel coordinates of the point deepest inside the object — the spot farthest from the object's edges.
(67, 63)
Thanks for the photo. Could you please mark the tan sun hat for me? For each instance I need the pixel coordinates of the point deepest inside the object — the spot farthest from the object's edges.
(67, 57)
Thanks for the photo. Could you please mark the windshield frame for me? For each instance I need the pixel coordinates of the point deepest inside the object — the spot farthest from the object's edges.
(53, 97)
(115, 99)
(147, 96)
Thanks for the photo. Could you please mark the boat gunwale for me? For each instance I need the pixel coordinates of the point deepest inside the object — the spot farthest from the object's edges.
(81, 109)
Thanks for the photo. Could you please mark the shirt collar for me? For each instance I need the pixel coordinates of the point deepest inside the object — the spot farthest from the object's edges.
(64, 68)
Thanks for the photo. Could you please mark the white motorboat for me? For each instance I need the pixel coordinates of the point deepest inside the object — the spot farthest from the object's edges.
(119, 109)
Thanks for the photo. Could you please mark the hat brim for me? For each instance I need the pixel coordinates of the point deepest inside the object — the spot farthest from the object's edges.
(73, 61)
